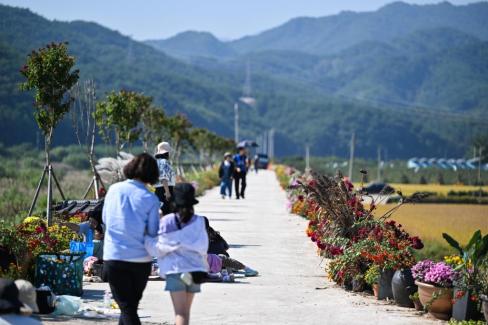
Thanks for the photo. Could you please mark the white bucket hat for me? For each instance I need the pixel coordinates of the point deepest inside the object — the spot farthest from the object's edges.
(27, 294)
(163, 148)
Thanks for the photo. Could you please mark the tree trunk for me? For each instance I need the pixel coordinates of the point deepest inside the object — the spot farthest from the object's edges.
(117, 144)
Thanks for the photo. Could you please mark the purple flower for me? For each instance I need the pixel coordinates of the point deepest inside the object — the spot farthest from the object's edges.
(441, 274)
(420, 269)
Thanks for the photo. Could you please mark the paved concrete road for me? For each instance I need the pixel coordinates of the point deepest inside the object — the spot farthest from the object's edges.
(292, 288)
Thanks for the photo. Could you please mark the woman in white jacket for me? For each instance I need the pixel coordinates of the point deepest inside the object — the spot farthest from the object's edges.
(181, 249)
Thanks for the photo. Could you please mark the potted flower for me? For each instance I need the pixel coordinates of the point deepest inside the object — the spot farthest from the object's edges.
(386, 244)
(435, 282)
(372, 277)
(416, 301)
(468, 285)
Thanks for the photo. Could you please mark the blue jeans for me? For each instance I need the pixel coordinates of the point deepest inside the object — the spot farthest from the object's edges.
(226, 186)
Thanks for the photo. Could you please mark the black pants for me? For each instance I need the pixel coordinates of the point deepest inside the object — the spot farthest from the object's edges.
(127, 281)
(167, 205)
(240, 178)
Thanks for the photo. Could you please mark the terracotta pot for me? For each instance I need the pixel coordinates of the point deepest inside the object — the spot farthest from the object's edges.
(376, 289)
(441, 306)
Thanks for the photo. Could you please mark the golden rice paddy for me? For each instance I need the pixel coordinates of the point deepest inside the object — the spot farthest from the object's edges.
(409, 189)
(429, 221)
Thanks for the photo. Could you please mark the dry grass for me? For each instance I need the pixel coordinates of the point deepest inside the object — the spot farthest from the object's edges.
(409, 189)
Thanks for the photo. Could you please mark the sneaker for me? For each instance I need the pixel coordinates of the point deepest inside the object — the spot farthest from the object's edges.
(250, 272)
(242, 195)
(223, 197)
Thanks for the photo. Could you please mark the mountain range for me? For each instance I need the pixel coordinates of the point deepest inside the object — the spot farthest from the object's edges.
(411, 79)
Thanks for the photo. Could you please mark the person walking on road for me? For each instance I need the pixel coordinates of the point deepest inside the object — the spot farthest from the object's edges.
(226, 172)
(241, 167)
(130, 213)
(167, 177)
(181, 249)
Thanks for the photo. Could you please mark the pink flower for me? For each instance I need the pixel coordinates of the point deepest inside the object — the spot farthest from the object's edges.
(441, 274)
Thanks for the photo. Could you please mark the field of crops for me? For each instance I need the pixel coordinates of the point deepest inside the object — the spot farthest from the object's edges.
(429, 221)
(409, 189)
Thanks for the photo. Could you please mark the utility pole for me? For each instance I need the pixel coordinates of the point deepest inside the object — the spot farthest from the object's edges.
(307, 159)
(480, 151)
(378, 177)
(351, 154)
(271, 143)
(236, 123)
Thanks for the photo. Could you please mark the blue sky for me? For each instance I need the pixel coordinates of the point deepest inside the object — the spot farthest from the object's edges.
(227, 19)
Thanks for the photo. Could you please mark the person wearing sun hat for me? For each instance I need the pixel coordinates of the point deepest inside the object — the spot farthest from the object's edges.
(181, 249)
(167, 177)
(12, 309)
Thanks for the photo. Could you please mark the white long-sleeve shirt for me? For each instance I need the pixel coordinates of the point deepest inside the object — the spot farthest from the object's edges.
(180, 251)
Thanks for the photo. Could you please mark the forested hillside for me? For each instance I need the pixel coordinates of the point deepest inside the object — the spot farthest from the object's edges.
(289, 88)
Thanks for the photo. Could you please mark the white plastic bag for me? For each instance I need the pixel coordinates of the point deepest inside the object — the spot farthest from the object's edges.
(67, 305)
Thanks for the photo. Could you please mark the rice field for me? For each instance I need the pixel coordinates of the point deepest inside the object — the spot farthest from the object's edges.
(429, 221)
(409, 189)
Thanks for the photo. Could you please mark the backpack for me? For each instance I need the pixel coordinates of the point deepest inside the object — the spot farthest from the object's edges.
(216, 243)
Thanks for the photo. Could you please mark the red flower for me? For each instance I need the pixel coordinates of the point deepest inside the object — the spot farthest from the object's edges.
(348, 184)
(416, 243)
(459, 294)
(321, 245)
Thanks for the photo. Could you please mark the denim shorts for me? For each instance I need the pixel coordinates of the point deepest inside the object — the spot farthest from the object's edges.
(174, 283)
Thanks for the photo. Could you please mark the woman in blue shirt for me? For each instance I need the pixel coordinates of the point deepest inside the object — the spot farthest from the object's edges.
(130, 212)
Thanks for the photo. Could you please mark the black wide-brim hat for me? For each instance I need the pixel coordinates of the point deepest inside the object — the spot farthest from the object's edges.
(184, 195)
(9, 297)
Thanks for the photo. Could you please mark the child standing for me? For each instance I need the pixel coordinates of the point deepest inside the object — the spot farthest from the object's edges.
(181, 249)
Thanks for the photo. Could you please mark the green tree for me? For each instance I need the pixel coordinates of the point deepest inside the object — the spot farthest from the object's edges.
(208, 144)
(49, 73)
(119, 115)
(154, 126)
(179, 127)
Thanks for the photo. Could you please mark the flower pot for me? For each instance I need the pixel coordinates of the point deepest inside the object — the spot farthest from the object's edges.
(347, 285)
(385, 285)
(464, 308)
(358, 285)
(376, 289)
(437, 300)
(484, 306)
(403, 286)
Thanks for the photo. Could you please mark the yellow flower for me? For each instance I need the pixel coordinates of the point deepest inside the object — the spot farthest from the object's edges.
(31, 219)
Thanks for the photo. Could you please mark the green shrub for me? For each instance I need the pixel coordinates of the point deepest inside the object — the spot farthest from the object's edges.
(77, 160)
